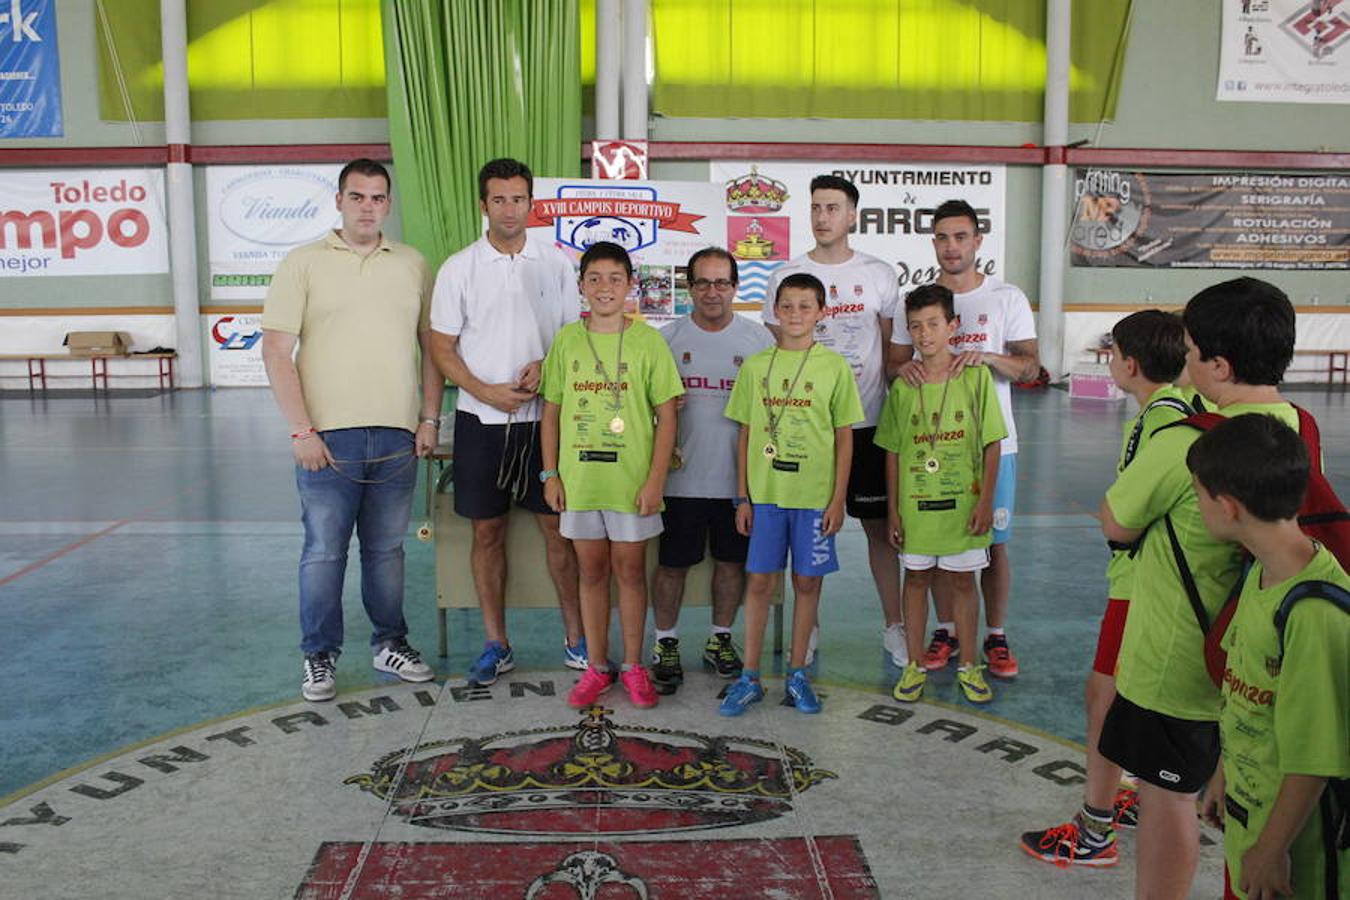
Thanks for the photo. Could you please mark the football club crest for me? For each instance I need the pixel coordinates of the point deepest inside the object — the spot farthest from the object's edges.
(914, 419)
(983, 318)
(834, 292)
(687, 357)
(810, 387)
(576, 365)
(960, 416)
(1273, 666)
(737, 360)
(857, 290)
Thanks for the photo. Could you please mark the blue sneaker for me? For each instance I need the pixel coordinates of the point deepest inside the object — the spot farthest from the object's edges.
(574, 656)
(494, 660)
(740, 695)
(801, 694)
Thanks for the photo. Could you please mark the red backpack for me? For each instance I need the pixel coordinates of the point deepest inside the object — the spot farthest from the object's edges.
(1322, 517)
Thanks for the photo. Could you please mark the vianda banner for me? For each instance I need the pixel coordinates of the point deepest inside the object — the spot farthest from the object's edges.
(660, 223)
(768, 210)
(1285, 51)
(1228, 220)
(258, 214)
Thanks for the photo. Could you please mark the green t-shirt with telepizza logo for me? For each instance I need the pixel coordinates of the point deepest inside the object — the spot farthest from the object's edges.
(959, 417)
(1120, 570)
(1162, 658)
(1287, 716)
(601, 469)
(800, 474)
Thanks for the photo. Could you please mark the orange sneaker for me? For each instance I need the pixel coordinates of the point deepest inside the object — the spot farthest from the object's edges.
(1126, 809)
(940, 650)
(593, 683)
(1002, 663)
(639, 686)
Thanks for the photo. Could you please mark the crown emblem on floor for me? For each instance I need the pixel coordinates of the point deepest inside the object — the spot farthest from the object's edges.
(596, 777)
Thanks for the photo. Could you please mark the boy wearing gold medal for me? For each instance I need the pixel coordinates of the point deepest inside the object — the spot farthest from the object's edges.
(609, 388)
(942, 453)
(797, 403)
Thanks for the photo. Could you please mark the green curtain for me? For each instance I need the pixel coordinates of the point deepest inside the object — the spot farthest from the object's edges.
(247, 59)
(883, 59)
(469, 81)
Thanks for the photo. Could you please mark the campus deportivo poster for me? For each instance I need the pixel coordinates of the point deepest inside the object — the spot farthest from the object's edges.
(660, 223)
(768, 210)
(1285, 51)
(30, 70)
(83, 222)
(1228, 220)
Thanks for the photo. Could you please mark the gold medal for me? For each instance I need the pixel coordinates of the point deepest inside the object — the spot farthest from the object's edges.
(931, 464)
(770, 451)
(616, 425)
(676, 459)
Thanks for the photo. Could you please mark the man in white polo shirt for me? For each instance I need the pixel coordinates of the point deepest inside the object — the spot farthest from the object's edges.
(860, 303)
(997, 330)
(495, 308)
(709, 346)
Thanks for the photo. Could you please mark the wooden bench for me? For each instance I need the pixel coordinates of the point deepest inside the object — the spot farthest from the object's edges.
(98, 367)
(1337, 362)
(528, 584)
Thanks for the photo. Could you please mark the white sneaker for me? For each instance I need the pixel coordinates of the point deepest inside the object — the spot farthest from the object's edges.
(399, 658)
(893, 639)
(811, 646)
(320, 682)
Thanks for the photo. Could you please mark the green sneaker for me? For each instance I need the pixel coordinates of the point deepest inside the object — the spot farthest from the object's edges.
(720, 655)
(973, 685)
(910, 686)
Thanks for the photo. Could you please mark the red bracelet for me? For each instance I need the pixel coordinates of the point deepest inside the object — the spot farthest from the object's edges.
(301, 435)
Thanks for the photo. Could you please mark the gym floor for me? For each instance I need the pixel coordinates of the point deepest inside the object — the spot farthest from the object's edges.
(148, 549)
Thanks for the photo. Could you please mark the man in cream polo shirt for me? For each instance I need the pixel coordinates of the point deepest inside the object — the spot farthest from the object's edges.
(357, 304)
(494, 311)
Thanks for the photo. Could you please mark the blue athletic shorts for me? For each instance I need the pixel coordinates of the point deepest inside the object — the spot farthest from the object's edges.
(1005, 494)
(776, 529)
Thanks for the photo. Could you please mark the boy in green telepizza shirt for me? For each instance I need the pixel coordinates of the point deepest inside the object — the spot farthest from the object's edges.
(1163, 724)
(796, 403)
(1148, 352)
(1285, 723)
(942, 455)
(609, 386)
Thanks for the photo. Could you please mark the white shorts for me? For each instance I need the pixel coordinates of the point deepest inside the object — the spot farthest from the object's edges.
(969, 561)
(605, 524)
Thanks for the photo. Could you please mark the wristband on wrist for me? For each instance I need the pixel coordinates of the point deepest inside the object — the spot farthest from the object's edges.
(307, 433)
(430, 421)
(546, 474)
(740, 501)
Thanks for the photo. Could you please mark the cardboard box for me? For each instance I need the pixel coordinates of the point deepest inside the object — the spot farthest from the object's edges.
(1093, 383)
(98, 343)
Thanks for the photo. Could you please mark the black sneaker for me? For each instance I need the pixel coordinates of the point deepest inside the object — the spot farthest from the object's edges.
(720, 653)
(667, 673)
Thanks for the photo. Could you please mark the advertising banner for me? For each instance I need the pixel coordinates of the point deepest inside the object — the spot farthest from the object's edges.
(660, 223)
(768, 210)
(1285, 51)
(235, 349)
(83, 222)
(1226, 220)
(30, 70)
(258, 214)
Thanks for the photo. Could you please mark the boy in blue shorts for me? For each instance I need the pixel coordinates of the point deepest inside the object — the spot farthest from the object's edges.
(1285, 723)
(796, 403)
(942, 456)
(609, 387)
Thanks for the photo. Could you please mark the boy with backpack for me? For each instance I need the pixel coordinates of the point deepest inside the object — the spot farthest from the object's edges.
(1148, 353)
(1163, 724)
(1285, 723)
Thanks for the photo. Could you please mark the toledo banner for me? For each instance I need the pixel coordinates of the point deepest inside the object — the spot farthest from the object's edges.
(1211, 221)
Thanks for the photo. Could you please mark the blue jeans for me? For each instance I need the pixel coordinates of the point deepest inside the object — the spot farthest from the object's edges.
(371, 488)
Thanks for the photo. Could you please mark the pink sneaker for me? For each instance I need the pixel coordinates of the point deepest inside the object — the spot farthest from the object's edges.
(639, 686)
(593, 683)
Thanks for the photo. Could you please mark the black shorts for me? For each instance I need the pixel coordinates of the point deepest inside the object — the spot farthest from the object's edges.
(1176, 755)
(692, 523)
(867, 478)
(483, 454)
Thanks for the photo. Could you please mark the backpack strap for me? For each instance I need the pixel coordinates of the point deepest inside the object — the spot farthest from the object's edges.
(1132, 446)
(1188, 579)
(1312, 437)
(1336, 595)
(1204, 421)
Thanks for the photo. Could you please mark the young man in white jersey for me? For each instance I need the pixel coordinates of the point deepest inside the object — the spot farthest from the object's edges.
(495, 309)
(709, 346)
(861, 299)
(999, 331)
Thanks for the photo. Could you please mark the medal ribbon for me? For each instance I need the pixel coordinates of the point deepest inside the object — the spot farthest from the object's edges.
(923, 417)
(618, 364)
(768, 376)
